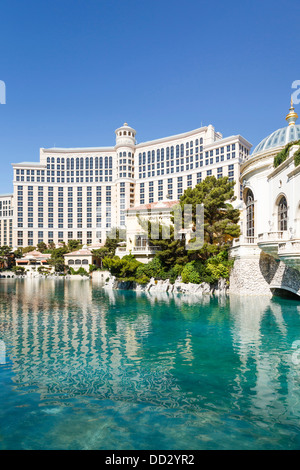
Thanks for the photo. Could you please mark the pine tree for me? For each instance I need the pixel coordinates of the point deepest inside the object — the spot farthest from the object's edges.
(220, 218)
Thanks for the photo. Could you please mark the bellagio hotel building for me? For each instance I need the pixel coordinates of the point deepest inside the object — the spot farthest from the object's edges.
(81, 193)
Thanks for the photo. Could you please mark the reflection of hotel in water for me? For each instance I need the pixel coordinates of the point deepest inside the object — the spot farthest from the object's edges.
(83, 351)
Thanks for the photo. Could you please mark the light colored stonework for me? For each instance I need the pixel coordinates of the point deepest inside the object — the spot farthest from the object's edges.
(261, 274)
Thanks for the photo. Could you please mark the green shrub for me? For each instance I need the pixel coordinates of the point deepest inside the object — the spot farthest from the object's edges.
(92, 267)
(18, 270)
(80, 271)
(189, 274)
(283, 154)
(297, 157)
(124, 269)
(143, 279)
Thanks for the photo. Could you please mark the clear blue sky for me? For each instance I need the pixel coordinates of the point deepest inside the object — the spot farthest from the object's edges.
(75, 70)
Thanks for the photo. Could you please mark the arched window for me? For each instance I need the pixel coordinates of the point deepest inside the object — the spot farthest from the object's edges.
(71, 261)
(282, 214)
(85, 261)
(77, 261)
(250, 213)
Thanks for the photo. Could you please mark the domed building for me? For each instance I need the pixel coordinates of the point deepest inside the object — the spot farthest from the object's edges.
(267, 254)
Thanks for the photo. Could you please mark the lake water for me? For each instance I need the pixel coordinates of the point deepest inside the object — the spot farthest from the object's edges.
(89, 369)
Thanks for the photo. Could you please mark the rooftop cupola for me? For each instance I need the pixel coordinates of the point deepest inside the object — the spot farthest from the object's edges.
(125, 136)
(292, 116)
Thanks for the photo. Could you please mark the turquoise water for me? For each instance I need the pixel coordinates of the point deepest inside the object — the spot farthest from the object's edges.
(90, 369)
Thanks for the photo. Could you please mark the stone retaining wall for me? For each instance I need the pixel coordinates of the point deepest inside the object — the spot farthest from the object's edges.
(260, 274)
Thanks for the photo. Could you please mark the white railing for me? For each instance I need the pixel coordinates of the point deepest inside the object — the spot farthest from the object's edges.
(145, 249)
(272, 236)
(138, 249)
(291, 247)
(244, 241)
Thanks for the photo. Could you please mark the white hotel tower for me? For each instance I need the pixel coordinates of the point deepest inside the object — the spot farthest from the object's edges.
(81, 193)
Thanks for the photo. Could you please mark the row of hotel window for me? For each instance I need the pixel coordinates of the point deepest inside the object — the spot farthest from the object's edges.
(97, 169)
(59, 176)
(6, 232)
(180, 165)
(5, 208)
(179, 184)
(71, 210)
(48, 237)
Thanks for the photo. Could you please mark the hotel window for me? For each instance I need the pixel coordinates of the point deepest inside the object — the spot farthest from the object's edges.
(199, 177)
(249, 214)
(220, 172)
(209, 172)
(160, 190)
(282, 214)
(142, 193)
(179, 186)
(151, 197)
(189, 181)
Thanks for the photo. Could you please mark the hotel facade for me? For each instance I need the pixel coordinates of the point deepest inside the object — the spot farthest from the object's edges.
(82, 193)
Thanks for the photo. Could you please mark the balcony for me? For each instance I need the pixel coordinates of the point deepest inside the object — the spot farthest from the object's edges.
(244, 241)
(145, 249)
(244, 247)
(289, 253)
(139, 251)
(268, 242)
